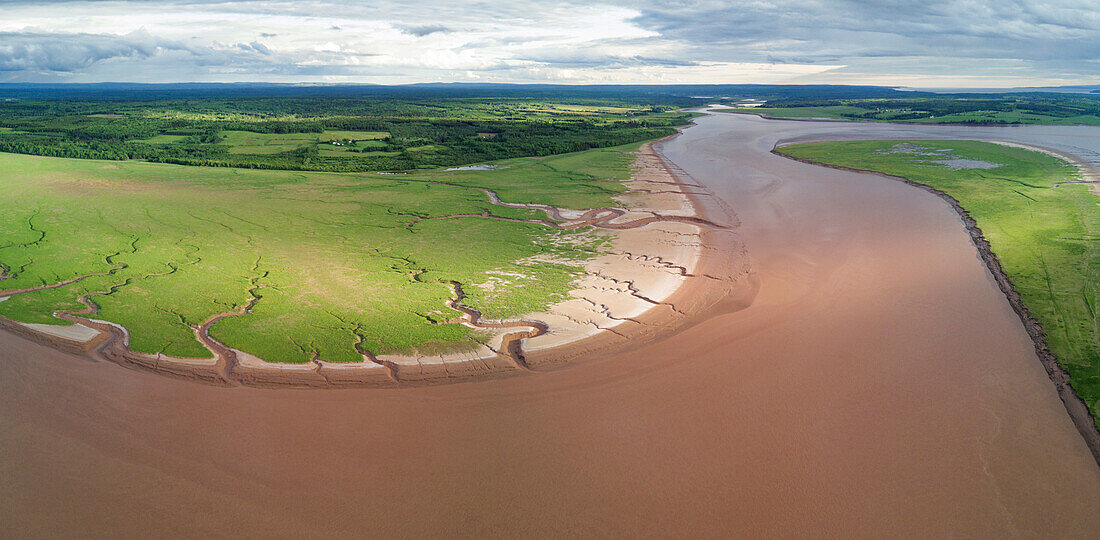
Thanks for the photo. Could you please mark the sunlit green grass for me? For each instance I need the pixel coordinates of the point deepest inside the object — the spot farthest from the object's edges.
(163, 139)
(1046, 238)
(341, 135)
(247, 142)
(336, 259)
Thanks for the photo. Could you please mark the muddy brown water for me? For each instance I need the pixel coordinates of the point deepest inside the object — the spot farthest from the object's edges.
(879, 385)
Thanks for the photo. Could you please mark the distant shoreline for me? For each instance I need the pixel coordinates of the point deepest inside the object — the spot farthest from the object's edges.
(888, 122)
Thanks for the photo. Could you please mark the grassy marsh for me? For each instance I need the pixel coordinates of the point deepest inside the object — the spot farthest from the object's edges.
(338, 261)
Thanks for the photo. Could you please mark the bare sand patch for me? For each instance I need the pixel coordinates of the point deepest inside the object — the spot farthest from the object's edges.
(75, 332)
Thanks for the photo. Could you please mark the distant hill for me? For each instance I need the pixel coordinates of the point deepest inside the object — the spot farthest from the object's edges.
(1080, 89)
(686, 93)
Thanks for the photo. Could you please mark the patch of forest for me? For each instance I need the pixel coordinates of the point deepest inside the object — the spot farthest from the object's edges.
(1024, 108)
(321, 133)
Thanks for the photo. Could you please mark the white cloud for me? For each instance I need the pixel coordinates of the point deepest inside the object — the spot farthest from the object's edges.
(696, 41)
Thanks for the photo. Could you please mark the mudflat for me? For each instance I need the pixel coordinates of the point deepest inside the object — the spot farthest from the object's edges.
(649, 277)
(878, 384)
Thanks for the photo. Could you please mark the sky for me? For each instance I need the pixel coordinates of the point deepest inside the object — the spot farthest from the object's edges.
(930, 43)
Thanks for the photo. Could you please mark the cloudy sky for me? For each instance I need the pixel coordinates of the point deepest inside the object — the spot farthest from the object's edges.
(929, 43)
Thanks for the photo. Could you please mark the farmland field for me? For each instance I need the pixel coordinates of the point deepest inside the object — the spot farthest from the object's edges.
(246, 142)
(339, 263)
(333, 135)
(1044, 232)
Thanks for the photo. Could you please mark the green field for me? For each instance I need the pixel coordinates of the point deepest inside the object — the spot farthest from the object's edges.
(338, 261)
(1069, 109)
(339, 134)
(344, 135)
(164, 139)
(247, 142)
(843, 112)
(1009, 117)
(1047, 238)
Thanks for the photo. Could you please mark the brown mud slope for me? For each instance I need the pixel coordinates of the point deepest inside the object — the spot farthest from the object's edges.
(1075, 406)
(879, 385)
(720, 273)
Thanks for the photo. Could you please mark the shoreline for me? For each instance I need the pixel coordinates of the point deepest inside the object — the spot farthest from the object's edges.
(699, 269)
(765, 116)
(1075, 406)
(721, 281)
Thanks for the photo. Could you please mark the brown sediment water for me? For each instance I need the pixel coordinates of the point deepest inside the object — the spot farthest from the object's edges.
(1075, 406)
(879, 384)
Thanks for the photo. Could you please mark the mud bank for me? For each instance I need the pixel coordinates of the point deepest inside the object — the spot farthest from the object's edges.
(663, 245)
(1075, 406)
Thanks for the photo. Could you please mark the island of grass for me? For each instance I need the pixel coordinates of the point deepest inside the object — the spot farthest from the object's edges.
(339, 265)
(1043, 228)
